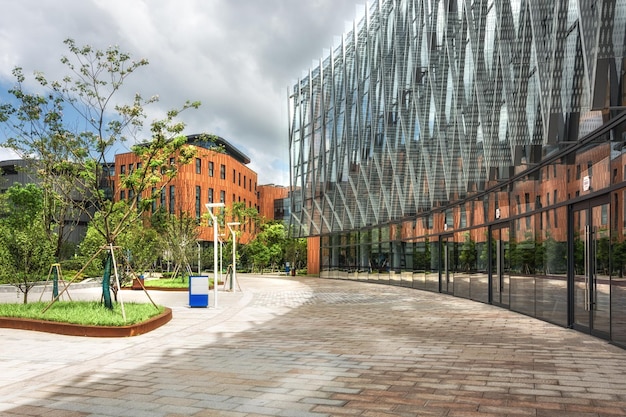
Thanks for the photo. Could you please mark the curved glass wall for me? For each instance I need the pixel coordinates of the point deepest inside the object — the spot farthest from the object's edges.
(475, 149)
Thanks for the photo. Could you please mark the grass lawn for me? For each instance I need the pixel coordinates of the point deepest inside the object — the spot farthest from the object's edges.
(170, 283)
(88, 313)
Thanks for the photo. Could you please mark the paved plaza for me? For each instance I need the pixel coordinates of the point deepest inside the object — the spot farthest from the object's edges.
(312, 347)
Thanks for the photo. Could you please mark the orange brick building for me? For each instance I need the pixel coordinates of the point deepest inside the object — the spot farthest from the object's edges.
(213, 176)
(271, 198)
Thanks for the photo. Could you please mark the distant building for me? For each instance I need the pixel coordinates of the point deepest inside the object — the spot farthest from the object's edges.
(274, 202)
(212, 177)
(15, 171)
(21, 171)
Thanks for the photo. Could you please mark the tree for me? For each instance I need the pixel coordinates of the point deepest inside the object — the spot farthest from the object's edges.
(267, 248)
(38, 134)
(296, 252)
(178, 234)
(467, 255)
(92, 90)
(141, 246)
(25, 252)
(238, 212)
(258, 254)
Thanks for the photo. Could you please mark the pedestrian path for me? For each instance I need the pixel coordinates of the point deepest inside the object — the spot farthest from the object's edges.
(314, 347)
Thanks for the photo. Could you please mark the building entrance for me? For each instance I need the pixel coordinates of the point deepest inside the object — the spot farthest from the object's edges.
(500, 266)
(447, 264)
(590, 273)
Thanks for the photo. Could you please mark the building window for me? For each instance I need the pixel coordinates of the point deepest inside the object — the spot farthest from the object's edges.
(139, 165)
(239, 180)
(131, 167)
(172, 199)
(556, 218)
(234, 176)
(110, 191)
(527, 201)
(122, 195)
(244, 182)
(624, 208)
(198, 166)
(449, 216)
(198, 197)
(222, 196)
(162, 195)
(222, 172)
(123, 169)
(210, 195)
(210, 168)
(154, 204)
(463, 217)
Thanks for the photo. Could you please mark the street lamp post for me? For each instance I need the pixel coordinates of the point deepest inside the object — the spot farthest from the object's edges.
(232, 231)
(222, 236)
(199, 258)
(209, 207)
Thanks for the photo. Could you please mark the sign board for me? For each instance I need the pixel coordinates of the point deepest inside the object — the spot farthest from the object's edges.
(198, 291)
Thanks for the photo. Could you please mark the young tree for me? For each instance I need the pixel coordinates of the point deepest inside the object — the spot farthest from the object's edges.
(139, 243)
(238, 212)
(92, 90)
(25, 252)
(178, 234)
(296, 252)
(257, 254)
(38, 134)
(268, 246)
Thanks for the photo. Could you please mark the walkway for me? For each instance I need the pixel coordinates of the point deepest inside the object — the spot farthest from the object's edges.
(310, 347)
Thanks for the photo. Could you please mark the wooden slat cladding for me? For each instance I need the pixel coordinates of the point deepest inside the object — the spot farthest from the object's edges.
(209, 176)
(268, 194)
(313, 255)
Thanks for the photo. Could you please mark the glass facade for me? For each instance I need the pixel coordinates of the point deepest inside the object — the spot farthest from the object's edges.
(474, 148)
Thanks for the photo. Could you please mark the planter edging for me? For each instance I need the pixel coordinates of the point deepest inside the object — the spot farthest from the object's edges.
(70, 329)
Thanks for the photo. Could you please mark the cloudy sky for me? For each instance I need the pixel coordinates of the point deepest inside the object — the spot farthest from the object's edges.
(237, 57)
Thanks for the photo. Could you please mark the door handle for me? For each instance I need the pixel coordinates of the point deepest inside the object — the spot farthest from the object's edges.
(587, 267)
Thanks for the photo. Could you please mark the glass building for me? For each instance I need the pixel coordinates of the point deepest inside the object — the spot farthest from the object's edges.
(475, 148)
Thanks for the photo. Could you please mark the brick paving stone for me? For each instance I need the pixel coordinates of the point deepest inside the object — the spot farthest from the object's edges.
(308, 347)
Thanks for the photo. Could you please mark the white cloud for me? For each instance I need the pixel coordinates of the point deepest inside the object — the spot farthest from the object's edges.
(6, 154)
(238, 57)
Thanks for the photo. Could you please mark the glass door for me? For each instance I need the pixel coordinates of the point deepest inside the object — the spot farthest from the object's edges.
(500, 266)
(591, 278)
(447, 264)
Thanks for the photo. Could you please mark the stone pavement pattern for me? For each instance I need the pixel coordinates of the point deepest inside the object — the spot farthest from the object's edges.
(312, 347)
